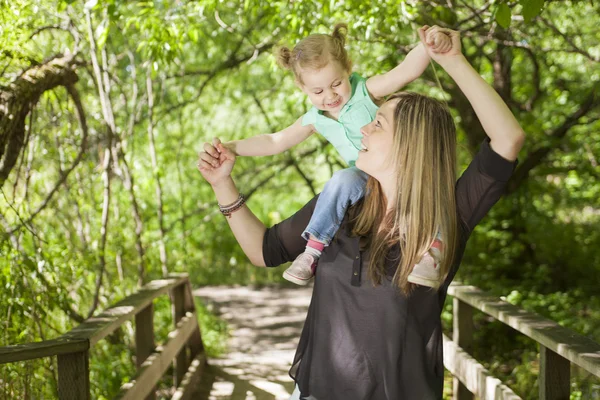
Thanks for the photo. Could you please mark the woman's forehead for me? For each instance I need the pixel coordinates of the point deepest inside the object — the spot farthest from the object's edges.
(387, 109)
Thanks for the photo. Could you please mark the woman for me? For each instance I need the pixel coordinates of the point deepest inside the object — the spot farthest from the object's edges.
(369, 333)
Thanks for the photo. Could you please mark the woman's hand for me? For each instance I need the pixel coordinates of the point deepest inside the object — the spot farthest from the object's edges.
(430, 38)
(216, 162)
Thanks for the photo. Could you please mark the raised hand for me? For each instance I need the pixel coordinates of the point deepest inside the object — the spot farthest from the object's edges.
(216, 162)
(440, 42)
(430, 36)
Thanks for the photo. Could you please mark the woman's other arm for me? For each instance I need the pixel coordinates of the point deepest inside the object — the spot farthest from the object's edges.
(505, 133)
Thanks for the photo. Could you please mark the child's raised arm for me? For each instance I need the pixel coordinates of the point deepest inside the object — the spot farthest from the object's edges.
(271, 143)
(408, 70)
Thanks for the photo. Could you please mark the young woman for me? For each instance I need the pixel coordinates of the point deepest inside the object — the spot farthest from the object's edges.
(369, 332)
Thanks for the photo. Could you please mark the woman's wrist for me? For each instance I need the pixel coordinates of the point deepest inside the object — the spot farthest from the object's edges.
(223, 183)
(225, 190)
(451, 64)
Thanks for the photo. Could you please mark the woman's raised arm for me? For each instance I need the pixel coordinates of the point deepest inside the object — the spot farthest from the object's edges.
(215, 164)
(505, 133)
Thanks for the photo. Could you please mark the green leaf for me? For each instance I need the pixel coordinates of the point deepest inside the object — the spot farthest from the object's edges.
(193, 34)
(503, 15)
(102, 33)
(531, 9)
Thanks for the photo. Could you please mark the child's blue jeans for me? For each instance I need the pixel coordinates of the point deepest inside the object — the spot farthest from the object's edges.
(345, 188)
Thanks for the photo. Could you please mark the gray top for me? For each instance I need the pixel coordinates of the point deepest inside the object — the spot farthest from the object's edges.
(363, 342)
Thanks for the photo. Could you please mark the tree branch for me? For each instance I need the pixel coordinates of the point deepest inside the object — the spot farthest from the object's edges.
(534, 158)
(82, 149)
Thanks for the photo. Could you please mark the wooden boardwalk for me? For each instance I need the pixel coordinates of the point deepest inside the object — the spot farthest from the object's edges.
(265, 327)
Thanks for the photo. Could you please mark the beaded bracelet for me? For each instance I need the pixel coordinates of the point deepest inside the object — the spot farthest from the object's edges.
(240, 197)
(233, 207)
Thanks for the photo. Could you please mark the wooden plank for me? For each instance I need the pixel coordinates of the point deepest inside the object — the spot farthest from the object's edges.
(155, 366)
(74, 376)
(97, 328)
(196, 345)
(462, 335)
(576, 348)
(473, 375)
(555, 374)
(93, 329)
(144, 339)
(180, 363)
(185, 391)
(47, 348)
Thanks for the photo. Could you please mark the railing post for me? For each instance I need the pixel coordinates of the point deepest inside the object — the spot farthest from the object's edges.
(144, 338)
(555, 375)
(462, 335)
(196, 345)
(74, 376)
(181, 362)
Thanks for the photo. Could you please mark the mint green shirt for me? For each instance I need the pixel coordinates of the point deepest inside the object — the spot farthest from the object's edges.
(344, 134)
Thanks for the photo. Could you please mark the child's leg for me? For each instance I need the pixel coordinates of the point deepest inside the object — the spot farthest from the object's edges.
(427, 271)
(344, 189)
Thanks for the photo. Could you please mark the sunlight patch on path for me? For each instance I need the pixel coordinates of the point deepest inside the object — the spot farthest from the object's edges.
(265, 328)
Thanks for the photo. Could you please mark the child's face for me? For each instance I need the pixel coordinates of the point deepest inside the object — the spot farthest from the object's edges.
(327, 88)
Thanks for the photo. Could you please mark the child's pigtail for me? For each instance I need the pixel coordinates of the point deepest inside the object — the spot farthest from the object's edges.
(338, 52)
(284, 57)
(339, 34)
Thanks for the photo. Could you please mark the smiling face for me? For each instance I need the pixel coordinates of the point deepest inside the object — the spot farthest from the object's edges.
(378, 143)
(327, 88)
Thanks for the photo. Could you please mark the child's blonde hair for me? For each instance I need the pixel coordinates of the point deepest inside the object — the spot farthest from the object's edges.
(315, 51)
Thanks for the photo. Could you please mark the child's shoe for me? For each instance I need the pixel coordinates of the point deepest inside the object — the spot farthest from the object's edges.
(427, 271)
(302, 269)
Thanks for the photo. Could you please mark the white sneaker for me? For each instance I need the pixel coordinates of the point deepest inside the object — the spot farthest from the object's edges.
(301, 271)
(427, 271)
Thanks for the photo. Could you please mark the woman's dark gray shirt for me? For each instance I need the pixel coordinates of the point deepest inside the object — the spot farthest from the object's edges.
(363, 342)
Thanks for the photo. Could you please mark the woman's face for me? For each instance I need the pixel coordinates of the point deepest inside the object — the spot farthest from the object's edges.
(377, 143)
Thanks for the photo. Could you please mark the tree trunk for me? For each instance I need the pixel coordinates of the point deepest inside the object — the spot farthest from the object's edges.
(18, 99)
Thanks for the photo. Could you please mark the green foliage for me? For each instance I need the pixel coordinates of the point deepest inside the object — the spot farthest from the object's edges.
(503, 15)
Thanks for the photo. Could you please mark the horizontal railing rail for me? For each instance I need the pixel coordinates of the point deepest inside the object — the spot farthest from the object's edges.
(559, 347)
(183, 347)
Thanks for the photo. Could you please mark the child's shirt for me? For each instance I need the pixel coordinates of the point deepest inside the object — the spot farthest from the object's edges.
(344, 134)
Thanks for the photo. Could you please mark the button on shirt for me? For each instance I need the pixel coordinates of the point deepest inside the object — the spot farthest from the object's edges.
(365, 342)
(344, 134)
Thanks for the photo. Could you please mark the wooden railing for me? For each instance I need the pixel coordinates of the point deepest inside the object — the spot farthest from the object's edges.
(183, 347)
(559, 347)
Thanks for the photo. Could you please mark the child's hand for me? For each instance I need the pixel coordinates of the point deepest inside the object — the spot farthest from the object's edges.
(428, 37)
(439, 41)
(215, 162)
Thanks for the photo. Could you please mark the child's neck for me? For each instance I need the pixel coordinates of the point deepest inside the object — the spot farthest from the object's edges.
(331, 115)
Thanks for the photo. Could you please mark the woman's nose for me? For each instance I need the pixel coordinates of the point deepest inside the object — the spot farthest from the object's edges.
(365, 130)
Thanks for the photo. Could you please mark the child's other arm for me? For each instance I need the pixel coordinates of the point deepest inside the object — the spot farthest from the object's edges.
(271, 143)
(407, 71)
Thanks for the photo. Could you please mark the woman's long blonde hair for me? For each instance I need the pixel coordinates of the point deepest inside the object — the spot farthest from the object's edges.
(424, 157)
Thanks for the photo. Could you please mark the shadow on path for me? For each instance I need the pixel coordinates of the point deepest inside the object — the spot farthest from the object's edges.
(265, 326)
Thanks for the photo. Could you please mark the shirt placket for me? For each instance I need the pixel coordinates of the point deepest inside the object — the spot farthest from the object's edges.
(356, 265)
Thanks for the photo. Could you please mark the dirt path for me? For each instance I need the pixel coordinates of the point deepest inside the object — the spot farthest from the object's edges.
(265, 328)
